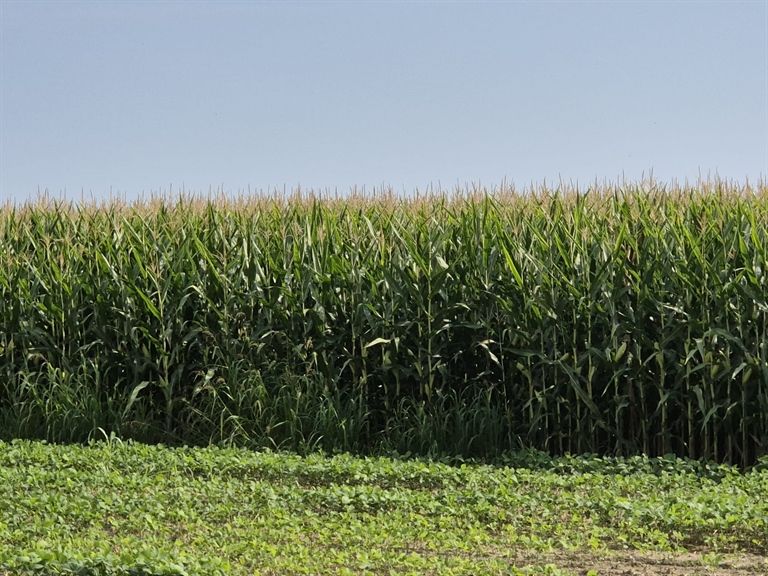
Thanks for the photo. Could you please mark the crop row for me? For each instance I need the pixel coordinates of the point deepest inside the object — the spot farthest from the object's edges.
(613, 321)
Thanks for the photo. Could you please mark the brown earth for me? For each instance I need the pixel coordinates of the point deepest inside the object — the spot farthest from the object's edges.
(633, 563)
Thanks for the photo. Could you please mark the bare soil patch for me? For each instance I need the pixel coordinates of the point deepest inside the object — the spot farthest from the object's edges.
(633, 563)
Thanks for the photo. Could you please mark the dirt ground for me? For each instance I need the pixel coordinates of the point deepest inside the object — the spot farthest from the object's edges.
(633, 563)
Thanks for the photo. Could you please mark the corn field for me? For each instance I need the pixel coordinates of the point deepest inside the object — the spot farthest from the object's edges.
(609, 320)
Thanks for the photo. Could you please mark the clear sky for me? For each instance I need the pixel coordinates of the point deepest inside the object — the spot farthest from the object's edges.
(138, 97)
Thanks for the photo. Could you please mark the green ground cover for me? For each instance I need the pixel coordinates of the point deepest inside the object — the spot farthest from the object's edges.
(128, 508)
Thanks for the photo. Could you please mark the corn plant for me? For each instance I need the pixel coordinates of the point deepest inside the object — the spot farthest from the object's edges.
(615, 320)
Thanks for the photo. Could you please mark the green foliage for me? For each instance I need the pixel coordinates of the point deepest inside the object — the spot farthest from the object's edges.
(611, 321)
(123, 508)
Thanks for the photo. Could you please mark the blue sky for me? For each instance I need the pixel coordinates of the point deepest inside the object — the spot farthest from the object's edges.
(139, 97)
